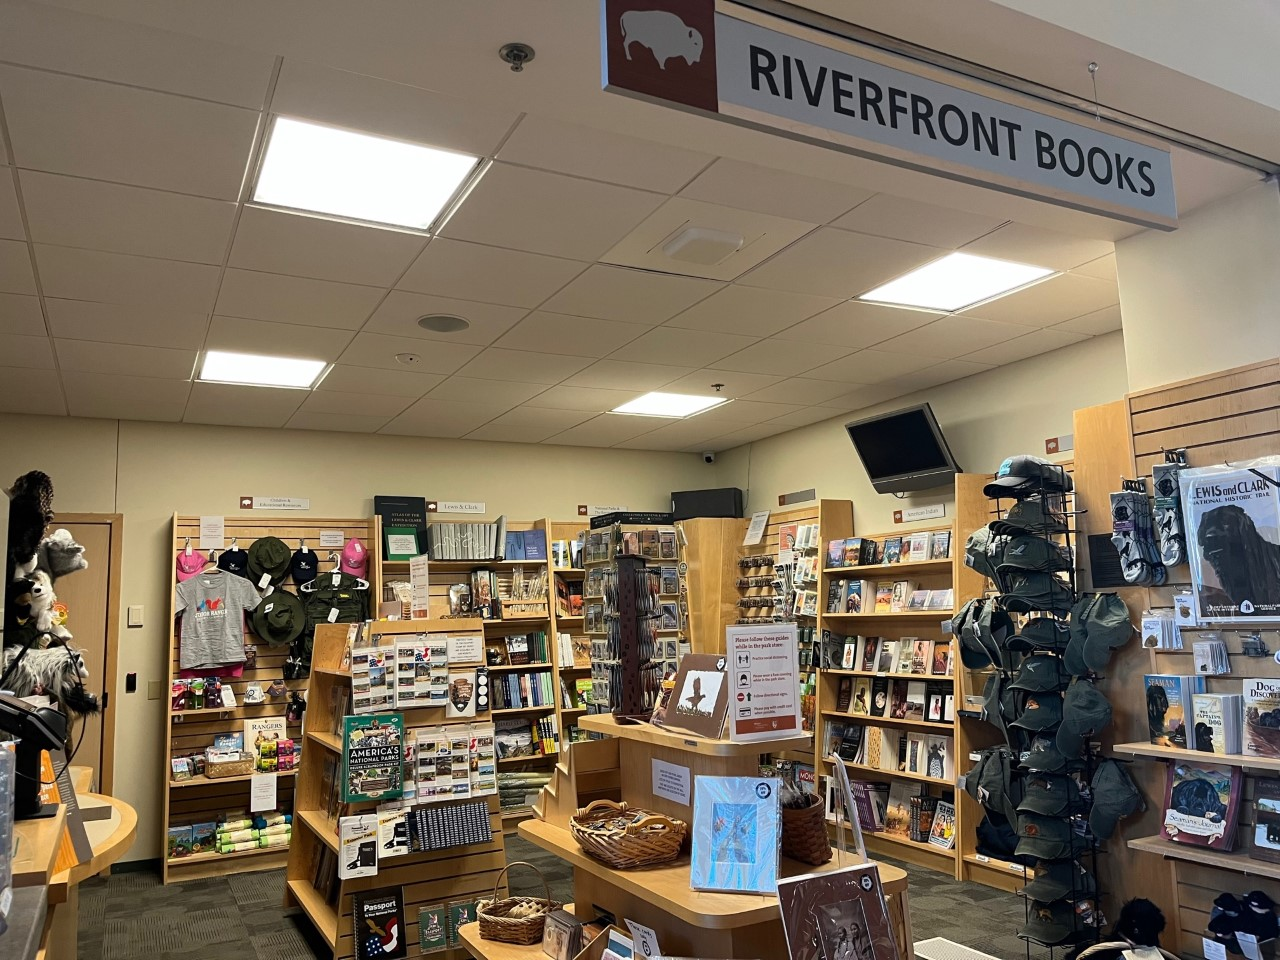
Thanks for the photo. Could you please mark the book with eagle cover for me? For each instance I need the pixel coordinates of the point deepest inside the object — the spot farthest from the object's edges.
(1202, 804)
(378, 916)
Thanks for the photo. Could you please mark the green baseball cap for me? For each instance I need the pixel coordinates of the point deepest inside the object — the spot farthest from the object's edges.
(1049, 924)
(1041, 633)
(1084, 711)
(1114, 796)
(1027, 552)
(1049, 795)
(269, 555)
(1048, 838)
(1030, 516)
(1058, 880)
(1106, 624)
(1040, 672)
(991, 783)
(1028, 591)
(981, 549)
(1044, 756)
(1043, 711)
(982, 628)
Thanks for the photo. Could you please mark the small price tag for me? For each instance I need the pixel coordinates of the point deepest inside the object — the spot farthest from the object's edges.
(264, 581)
(333, 615)
(337, 577)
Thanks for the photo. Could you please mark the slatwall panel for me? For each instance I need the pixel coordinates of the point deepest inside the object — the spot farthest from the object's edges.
(190, 731)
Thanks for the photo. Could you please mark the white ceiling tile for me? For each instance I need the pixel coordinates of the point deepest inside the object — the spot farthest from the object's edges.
(125, 359)
(442, 418)
(398, 316)
(1094, 324)
(303, 246)
(863, 397)
(139, 137)
(781, 357)
(608, 429)
(798, 390)
(624, 374)
(762, 237)
(632, 296)
(282, 299)
(700, 347)
(119, 397)
(733, 383)
(15, 268)
(736, 438)
(435, 356)
(337, 422)
(21, 315)
(471, 390)
(855, 325)
(543, 213)
(1104, 268)
(837, 263)
(34, 352)
(327, 402)
(114, 323)
(952, 337)
(870, 366)
(529, 425)
(311, 91)
(343, 378)
(885, 215)
(598, 155)
(676, 435)
(746, 412)
(589, 399)
(944, 372)
(523, 366)
(115, 278)
(776, 192)
(1051, 301)
(576, 336)
(238, 335)
(72, 212)
(473, 271)
(30, 391)
(1027, 345)
(1035, 245)
(753, 311)
(802, 418)
(10, 216)
(222, 403)
(40, 35)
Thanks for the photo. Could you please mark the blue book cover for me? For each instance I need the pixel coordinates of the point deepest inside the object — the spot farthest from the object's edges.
(514, 545)
(736, 834)
(535, 545)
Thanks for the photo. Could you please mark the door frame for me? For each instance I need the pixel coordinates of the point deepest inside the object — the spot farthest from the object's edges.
(106, 775)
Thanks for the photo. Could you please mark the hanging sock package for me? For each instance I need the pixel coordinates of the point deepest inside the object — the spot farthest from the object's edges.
(1168, 507)
(1133, 533)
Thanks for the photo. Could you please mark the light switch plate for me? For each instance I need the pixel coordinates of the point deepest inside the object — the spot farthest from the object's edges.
(135, 615)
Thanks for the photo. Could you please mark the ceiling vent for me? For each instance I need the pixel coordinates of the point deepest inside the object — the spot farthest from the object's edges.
(702, 245)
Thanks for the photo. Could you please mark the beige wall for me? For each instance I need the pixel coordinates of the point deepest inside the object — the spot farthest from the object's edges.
(149, 471)
(1012, 409)
(1204, 297)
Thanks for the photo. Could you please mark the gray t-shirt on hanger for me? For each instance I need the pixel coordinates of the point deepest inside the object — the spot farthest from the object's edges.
(213, 606)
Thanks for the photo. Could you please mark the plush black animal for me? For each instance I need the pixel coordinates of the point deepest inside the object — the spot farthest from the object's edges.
(1139, 925)
(1197, 798)
(30, 511)
(1247, 564)
(1204, 738)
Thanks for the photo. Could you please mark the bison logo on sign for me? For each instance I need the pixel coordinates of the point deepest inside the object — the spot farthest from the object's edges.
(663, 49)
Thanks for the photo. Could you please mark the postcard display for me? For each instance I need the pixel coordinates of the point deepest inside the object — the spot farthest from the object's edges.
(398, 804)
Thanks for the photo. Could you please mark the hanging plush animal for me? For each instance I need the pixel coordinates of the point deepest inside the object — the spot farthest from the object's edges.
(56, 672)
(36, 603)
(30, 512)
(59, 555)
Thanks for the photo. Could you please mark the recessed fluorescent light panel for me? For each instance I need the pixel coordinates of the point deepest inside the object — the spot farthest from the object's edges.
(956, 281)
(669, 405)
(309, 166)
(260, 371)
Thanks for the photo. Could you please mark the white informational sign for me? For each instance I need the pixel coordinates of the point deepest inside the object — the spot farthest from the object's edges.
(420, 588)
(644, 940)
(262, 792)
(1213, 950)
(671, 782)
(755, 530)
(213, 533)
(1249, 946)
(331, 538)
(275, 503)
(764, 688)
(401, 543)
(459, 506)
(598, 510)
(929, 511)
(464, 650)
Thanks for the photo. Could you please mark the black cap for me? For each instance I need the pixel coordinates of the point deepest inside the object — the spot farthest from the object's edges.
(1059, 880)
(1041, 633)
(1027, 591)
(234, 561)
(1030, 516)
(1114, 796)
(1049, 923)
(1050, 795)
(1026, 551)
(1048, 838)
(1084, 711)
(1044, 756)
(304, 566)
(1041, 672)
(1027, 474)
(1043, 711)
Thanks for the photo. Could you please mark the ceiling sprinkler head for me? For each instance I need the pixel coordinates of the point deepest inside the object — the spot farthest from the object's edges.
(516, 54)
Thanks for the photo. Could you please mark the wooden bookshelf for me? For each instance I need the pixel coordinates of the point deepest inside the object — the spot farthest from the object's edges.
(1178, 753)
(456, 873)
(203, 799)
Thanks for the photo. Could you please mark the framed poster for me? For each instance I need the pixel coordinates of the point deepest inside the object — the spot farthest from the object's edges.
(764, 672)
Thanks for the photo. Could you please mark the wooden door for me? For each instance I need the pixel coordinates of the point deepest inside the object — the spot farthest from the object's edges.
(92, 598)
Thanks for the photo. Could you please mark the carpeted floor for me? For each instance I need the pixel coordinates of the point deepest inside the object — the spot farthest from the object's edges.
(130, 915)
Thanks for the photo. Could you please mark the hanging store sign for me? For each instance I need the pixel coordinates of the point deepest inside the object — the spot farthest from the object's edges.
(760, 71)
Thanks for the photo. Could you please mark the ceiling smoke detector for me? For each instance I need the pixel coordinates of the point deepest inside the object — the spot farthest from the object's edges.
(702, 245)
(408, 359)
(443, 323)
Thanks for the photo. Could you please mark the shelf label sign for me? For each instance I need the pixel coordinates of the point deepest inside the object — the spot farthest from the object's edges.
(456, 506)
(759, 71)
(275, 503)
(930, 511)
(590, 510)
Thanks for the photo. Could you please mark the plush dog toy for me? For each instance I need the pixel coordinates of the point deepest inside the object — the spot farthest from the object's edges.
(55, 672)
(59, 555)
(30, 512)
(34, 603)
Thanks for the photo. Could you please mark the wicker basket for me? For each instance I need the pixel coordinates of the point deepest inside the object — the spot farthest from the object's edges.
(804, 832)
(229, 768)
(497, 924)
(651, 838)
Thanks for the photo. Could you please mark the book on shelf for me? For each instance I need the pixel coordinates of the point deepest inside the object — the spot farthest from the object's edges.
(901, 596)
(879, 696)
(892, 549)
(1261, 734)
(432, 934)
(906, 651)
(862, 696)
(915, 547)
(873, 747)
(1216, 722)
(919, 600)
(884, 596)
(372, 757)
(933, 703)
(917, 691)
(941, 666)
(835, 553)
(940, 545)
(401, 511)
(924, 808)
(358, 846)
(940, 599)
(844, 694)
(835, 596)
(1202, 804)
(921, 656)
(939, 757)
(851, 743)
(834, 732)
(849, 655)
(943, 832)
(1169, 706)
(870, 653)
(915, 752)
(1264, 843)
(854, 595)
(898, 812)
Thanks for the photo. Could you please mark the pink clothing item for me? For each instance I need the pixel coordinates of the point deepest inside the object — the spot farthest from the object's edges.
(355, 559)
(190, 564)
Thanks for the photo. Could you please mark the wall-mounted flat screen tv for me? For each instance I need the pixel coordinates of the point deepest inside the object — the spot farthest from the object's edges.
(904, 450)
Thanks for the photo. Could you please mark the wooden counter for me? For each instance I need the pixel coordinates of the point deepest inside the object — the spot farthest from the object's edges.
(35, 848)
(678, 740)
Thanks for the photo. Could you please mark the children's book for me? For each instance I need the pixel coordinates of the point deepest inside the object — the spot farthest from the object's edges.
(1202, 804)
(1261, 734)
